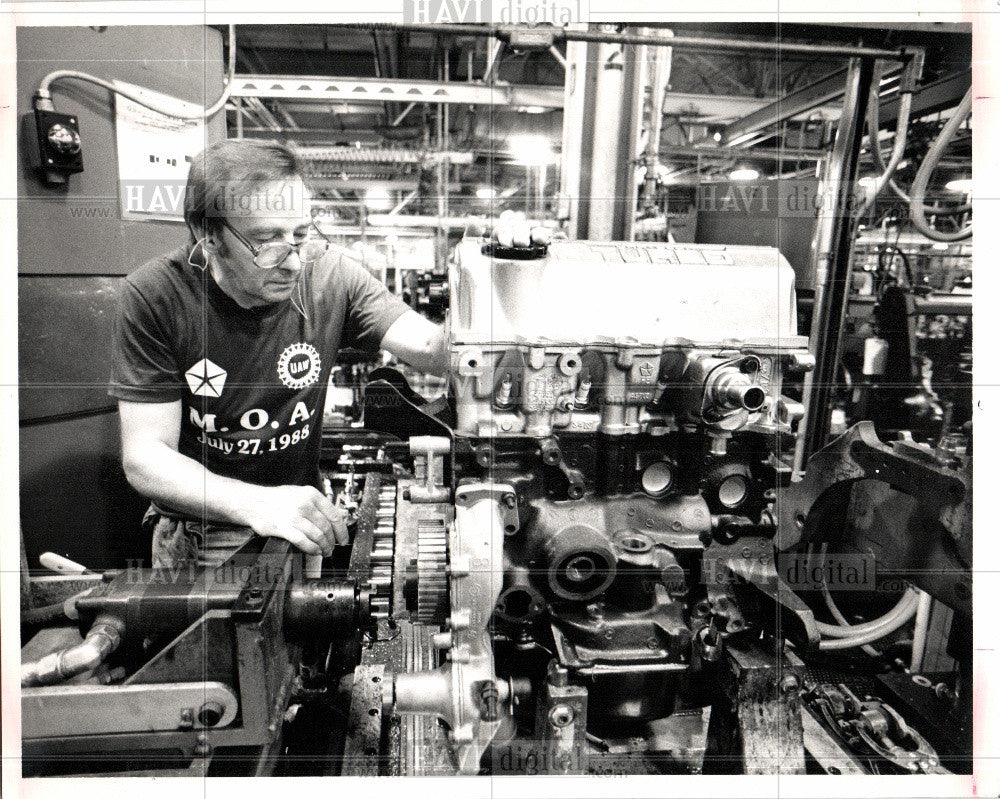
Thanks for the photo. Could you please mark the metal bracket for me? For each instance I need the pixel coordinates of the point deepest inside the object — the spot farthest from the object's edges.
(67, 710)
(428, 454)
(364, 723)
(859, 455)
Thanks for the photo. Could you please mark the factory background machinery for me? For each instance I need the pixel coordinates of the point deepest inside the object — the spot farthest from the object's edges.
(696, 494)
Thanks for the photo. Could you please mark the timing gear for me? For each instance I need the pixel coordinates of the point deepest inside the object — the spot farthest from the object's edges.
(432, 575)
(383, 552)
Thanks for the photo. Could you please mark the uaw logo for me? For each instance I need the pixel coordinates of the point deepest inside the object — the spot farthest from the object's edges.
(299, 365)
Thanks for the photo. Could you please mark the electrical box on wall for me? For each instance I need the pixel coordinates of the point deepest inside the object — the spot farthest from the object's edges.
(55, 148)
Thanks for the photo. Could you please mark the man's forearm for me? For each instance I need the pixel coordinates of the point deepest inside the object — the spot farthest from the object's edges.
(167, 477)
(301, 515)
(418, 342)
(432, 357)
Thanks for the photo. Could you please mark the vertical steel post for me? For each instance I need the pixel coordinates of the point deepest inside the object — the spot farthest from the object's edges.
(616, 73)
(660, 62)
(831, 252)
(601, 126)
(571, 155)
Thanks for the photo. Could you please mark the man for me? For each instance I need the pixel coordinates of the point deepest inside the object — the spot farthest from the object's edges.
(222, 354)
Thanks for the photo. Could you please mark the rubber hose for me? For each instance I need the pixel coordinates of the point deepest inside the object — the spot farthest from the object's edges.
(920, 182)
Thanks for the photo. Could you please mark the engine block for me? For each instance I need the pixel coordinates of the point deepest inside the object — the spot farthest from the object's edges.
(628, 398)
(566, 342)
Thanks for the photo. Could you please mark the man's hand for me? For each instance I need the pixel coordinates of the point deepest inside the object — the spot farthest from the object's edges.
(300, 514)
(512, 230)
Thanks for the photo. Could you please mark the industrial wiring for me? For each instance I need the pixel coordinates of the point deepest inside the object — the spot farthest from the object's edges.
(43, 96)
(845, 635)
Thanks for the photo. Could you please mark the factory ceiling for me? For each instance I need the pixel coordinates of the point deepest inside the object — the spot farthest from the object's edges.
(407, 97)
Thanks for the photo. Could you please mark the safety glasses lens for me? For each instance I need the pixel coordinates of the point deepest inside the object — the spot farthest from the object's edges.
(271, 255)
(312, 250)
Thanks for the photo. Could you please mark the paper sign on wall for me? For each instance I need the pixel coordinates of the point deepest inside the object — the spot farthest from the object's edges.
(155, 153)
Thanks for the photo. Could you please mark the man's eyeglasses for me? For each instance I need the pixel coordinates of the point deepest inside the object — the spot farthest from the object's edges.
(274, 253)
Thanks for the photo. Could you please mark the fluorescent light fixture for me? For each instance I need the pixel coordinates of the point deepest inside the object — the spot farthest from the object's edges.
(939, 245)
(959, 186)
(531, 150)
(744, 173)
(868, 182)
(378, 198)
(486, 193)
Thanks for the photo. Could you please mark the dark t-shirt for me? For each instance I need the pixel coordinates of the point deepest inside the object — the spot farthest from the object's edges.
(252, 382)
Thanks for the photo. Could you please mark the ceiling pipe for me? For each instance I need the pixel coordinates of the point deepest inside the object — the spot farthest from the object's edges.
(767, 49)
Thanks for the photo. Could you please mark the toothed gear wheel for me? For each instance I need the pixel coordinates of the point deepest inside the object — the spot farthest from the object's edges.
(383, 552)
(432, 576)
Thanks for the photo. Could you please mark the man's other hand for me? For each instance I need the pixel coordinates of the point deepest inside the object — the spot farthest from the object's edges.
(301, 515)
(512, 230)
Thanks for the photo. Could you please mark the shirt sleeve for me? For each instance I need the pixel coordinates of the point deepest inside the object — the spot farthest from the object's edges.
(371, 308)
(143, 364)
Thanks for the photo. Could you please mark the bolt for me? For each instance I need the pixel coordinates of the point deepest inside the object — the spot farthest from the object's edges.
(653, 642)
(489, 701)
(187, 718)
(510, 500)
(202, 748)
(210, 714)
(561, 716)
(676, 526)
(788, 684)
(746, 552)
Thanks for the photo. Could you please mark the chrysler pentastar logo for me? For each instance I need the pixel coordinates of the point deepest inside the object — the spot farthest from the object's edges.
(206, 379)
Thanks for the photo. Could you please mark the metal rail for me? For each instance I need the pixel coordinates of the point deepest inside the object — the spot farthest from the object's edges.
(503, 33)
(832, 256)
(380, 90)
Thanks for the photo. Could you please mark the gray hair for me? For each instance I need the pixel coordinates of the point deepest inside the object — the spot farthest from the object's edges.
(227, 168)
